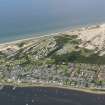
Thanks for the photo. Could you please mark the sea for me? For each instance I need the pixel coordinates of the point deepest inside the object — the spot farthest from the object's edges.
(47, 96)
(27, 18)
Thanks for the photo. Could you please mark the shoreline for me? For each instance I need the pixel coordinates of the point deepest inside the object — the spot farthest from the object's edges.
(68, 29)
(69, 88)
(26, 39)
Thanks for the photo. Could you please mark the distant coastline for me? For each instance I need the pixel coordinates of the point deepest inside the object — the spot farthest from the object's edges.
(68, 29)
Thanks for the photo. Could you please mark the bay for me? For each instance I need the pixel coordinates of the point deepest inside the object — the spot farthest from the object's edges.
(48, 96)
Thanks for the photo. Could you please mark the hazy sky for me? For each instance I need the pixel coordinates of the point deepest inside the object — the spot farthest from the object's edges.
(29, 7)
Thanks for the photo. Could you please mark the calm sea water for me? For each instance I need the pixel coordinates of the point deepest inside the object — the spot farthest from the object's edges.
(22, 18)
(47, 96)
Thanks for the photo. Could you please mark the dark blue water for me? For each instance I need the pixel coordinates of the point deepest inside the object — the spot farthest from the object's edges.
(21, 18)
(48, 96)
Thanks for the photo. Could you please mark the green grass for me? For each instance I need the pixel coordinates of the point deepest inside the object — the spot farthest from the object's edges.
(78, 57)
